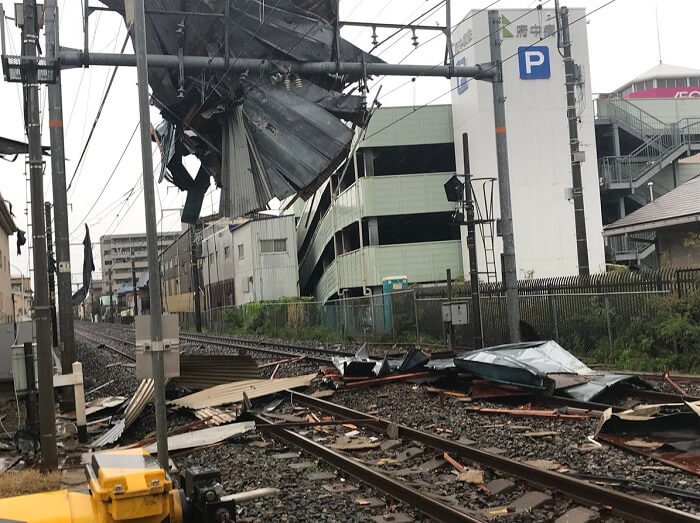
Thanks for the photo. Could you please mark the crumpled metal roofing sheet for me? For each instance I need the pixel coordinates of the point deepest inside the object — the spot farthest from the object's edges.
(294, 124)
(529, 364)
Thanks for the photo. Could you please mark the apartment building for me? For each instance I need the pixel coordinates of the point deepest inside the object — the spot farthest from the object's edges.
(386, 213)
(22, 297)
(118, 250)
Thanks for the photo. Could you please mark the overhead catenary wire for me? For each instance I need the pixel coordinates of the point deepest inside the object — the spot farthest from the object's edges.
(114, 170)
(97, 116)
(467, 47)
(488, 69)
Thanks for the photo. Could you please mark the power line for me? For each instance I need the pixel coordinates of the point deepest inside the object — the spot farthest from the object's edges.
(97, 116)
(104, 187)
(418, 18)
(486, 70)
(467, 47)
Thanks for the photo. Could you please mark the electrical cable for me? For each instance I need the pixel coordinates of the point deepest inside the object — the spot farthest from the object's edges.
(109, 179)
(415, 20)
(467, 47)
(97, 116)
(489, 69)
(82, 76)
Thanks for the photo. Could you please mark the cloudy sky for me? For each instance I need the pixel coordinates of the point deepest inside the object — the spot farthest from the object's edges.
(622, 43)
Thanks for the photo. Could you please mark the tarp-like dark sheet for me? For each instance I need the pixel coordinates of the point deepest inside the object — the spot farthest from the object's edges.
(297, 129)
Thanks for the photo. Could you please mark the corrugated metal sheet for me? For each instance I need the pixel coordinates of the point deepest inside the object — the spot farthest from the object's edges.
(233, 392)
(199, 371)
(217, 416)
(142, 397)
(110, 436)
(680, 202)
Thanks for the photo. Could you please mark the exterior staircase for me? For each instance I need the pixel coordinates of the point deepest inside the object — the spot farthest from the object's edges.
(662, 144)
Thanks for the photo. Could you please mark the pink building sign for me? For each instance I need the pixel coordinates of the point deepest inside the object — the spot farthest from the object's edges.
(668, 92)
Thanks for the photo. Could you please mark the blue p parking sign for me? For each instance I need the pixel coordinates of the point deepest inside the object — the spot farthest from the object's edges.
(534, 62)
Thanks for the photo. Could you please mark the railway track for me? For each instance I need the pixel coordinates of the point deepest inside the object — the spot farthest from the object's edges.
(90, 337)
(608, 501)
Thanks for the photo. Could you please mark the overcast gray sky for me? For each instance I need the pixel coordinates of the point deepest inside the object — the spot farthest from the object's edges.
(622, 43)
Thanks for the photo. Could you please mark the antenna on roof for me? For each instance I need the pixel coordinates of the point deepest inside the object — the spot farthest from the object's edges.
(658, 34)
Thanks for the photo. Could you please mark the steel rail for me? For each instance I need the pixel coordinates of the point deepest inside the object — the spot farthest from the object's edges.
(103, 344)
(424, 503)
(314, 354)
(621, 504)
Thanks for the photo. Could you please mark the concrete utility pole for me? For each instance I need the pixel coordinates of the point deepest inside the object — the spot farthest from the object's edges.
(111, 298)
(52, 285)
(60, 205)
(195, 278)
(47, 415)
(139, 38)
(510, 275)
(133, 286)
(577, 185)
(478, 338)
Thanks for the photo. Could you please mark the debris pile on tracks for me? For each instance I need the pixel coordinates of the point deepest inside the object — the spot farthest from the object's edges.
(259, 426)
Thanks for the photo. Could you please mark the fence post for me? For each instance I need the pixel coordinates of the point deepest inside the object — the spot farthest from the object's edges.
(607, 321)
(551, 301)
(415, 313)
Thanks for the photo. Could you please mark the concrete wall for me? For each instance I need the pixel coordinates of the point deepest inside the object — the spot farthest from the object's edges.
(538, 145)
(679, 246)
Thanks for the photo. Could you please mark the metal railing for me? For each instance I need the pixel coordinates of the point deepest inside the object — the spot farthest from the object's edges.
(624, 245)
(623, 110)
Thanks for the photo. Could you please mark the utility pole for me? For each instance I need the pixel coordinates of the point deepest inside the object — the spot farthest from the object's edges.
(133, 285)
(60, 205)
(577, 185)
(47, 415)
(111, 298)
(52, 285)
(478, 340)
(510, 275)
(139, 38)
(195, 278)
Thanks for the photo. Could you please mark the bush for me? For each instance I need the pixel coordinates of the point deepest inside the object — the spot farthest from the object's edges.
(665, 332)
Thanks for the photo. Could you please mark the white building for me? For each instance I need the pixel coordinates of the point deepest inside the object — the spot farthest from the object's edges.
(249, 259)
(538, 139)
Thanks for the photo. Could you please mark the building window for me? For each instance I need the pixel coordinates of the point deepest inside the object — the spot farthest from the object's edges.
(241, 252)
(211, 259)
(272, 246)
(227, 253)
(245, 285)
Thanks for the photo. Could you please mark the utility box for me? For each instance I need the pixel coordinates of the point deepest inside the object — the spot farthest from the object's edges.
(19, 369)
(456, 313)
(170, 346)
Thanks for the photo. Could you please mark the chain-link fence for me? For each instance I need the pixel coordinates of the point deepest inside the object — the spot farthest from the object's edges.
(580, 322)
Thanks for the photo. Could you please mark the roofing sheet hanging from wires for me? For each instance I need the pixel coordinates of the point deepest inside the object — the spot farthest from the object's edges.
(295, 126)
